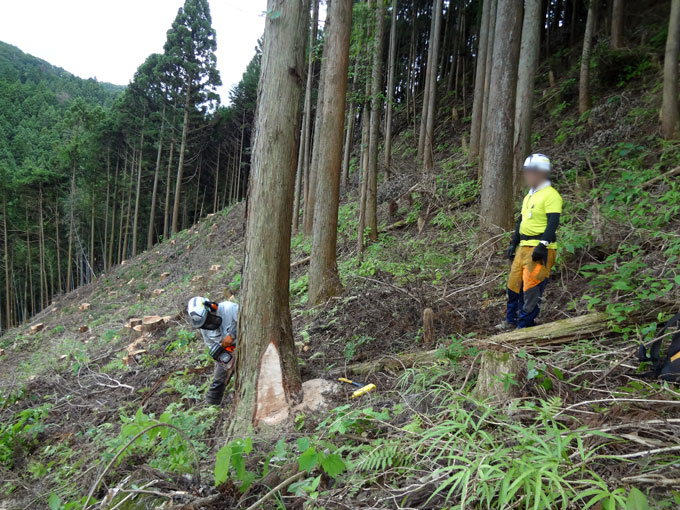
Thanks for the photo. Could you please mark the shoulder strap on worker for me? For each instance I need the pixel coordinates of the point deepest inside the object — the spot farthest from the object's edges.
(667, 368)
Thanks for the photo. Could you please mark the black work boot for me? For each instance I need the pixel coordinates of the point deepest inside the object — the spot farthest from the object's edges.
(215, 393)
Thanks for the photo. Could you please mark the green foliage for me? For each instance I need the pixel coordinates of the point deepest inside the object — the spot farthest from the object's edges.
(231, 459)
(21, 431)
(164, 448)
(178, 339)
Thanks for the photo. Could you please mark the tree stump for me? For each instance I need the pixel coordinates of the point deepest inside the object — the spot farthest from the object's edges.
(499, 377)
(84, 307)
(35, 328)
(83, 329)
(428, 326)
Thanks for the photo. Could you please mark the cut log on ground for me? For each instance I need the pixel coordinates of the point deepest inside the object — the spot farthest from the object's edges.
(35, 328)
(553, 333)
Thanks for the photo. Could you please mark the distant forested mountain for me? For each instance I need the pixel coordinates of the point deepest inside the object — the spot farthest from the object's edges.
(93, 173)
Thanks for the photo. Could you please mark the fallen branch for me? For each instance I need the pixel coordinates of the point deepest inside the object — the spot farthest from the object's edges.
(658, 178)
(552, 333)
(300, 262)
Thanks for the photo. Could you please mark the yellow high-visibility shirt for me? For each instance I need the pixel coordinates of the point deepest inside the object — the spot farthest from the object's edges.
(535, 209)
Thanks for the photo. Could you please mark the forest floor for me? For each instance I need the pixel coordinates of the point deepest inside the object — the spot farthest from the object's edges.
(585, 432)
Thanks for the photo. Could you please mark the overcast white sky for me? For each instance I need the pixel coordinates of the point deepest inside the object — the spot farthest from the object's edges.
(109, 39)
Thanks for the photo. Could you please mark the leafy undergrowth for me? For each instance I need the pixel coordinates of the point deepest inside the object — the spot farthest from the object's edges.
(587, 431)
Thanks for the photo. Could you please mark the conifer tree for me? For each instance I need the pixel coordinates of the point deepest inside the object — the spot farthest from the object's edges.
(190, 49)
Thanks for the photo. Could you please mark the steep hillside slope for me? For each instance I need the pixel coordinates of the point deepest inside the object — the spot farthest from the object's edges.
(584, 431)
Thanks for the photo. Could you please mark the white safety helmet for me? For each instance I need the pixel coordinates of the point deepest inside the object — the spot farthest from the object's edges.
(197, 312)
(538, 162)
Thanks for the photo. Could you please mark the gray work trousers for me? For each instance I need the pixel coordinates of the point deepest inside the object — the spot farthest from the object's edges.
(219, 382)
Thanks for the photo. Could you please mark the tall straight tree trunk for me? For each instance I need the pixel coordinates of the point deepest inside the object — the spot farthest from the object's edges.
(497, 195)
(312, 170)
(69, 259)
(44, 291)
(90, 255)
(113, 215)
(8, 294)
(349, 129)
(268, 376)
(374, 130)
(390, 90)
(528, 61)
(105, 260)
(427, 89)
(29, 269)
(324, 280)
(126, 235)
(56, 240)
(217, 179)
(410, 92)
(154, 193)
(584, 79)
(135, 222)
(669, 110)
(303, 157)
(180, 165)
(616, 40)
(480, 75)
(168, 187)
(487, 82)
(428, 151)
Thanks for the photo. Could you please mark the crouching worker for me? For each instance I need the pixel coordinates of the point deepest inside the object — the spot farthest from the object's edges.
(218, 323)
(533, 247)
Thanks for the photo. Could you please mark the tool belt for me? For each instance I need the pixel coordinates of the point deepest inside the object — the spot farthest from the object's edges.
(523, 237)
(667, 368)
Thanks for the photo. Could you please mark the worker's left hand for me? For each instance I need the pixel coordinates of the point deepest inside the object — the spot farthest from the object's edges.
(540, 254)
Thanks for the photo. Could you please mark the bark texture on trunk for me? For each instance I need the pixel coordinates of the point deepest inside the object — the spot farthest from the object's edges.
(480, 73)
(268, 376)
(488, 66)
(374, 129)
(584, 78)
(497, 193)
(669, 111)
(524, 103)
(324, 280)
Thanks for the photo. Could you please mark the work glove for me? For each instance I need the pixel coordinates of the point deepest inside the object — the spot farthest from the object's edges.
(540, 254)
(511, 252)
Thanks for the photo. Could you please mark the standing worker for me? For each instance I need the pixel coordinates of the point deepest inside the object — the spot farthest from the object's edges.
(218, 323)
(533, 247)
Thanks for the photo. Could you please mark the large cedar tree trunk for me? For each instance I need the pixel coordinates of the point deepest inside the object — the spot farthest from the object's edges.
(669, 111)
(584, 79)
(480, 73)
(528, 61)
(324, 281)
(497, 193)
(268, 376)
(488, 66)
